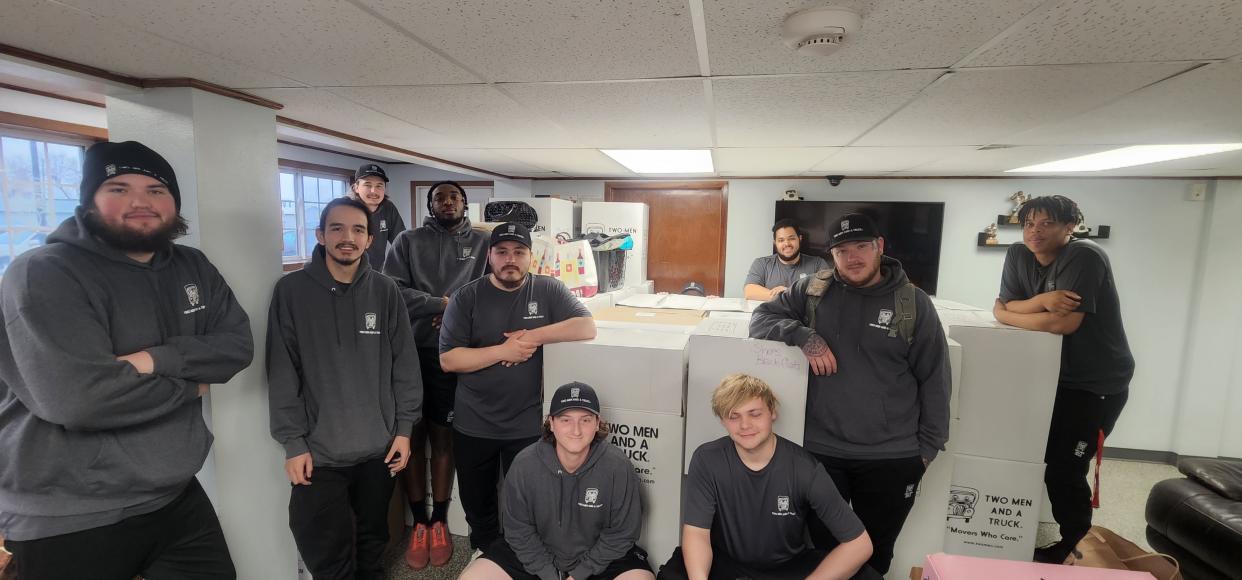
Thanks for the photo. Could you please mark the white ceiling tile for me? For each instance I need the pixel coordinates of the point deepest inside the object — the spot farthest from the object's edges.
(623, 115)
(883, 159)
(821, 110)
(485, 159)
(769, 161)
(997, 161)
(478, 115)
(62, 31)
(320, 107)
(577, 162)
(1074, 31)
(744, 36)
(317, 42)
(980, 106)
(1201, 106)
(543, 40)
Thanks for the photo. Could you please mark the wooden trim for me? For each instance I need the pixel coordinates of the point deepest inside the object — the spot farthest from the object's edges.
(461, 183)
(290, 163)
(61, 127)
(386, 147)
(50, 95)
(342, 153)
(292, 266)
(211, 88)
(609, 185)
(69, 65)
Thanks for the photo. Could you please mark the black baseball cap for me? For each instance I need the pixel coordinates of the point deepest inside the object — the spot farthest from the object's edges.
(574, 395)
(370, 169)
(511, 232)
(852, 227)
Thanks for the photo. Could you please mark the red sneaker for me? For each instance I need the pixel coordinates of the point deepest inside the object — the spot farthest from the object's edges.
(416, 555)
(441, 544)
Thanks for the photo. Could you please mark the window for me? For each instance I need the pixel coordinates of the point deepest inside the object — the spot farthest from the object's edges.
(39, 180)
(303, 193)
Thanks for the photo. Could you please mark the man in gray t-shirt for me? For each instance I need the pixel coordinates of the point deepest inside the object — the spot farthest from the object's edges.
(770, 275)
(491, 336)
(748, 497)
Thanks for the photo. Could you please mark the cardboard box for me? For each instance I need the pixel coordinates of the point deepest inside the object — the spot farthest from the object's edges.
(683, 321)
(612, 218)
(924, 530)
(717, 352)
(648, 287)
(1008, 382)
(635, 369)
(555, 215)
(993, 508)
(951, 567)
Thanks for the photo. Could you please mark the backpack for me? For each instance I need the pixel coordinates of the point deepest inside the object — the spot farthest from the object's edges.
(905, 310)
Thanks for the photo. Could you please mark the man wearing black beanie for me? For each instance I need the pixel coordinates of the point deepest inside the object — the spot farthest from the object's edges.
(112, 335)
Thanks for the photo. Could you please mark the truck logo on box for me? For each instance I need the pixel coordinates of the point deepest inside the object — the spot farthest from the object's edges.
(962, 502)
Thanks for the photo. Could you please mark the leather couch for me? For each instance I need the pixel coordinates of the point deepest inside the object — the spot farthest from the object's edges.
(1198, 519)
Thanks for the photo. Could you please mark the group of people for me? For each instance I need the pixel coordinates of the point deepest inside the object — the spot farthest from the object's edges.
(391, 339)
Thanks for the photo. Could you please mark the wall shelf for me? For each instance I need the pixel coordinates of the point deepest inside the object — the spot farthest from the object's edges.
(1002, 221)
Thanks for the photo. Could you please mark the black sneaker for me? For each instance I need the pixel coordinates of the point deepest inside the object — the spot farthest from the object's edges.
(1057, 553)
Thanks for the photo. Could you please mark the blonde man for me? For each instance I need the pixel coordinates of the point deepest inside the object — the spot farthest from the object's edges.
(748, 497)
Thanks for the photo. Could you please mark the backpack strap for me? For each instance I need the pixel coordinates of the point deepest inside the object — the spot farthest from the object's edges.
(815, 291)
(904, 313)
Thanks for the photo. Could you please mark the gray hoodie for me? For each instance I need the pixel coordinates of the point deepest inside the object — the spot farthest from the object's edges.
(388, 225)
(575, 523)
(342, 370)
(887, 399)
(87, 441)
(431, 262)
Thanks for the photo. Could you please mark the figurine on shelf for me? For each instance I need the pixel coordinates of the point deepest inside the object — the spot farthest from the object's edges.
(1018, 199)
(991, 232)
(1081, 230)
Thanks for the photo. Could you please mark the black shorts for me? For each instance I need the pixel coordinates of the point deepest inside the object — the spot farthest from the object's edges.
(502, 555)
(439, 388)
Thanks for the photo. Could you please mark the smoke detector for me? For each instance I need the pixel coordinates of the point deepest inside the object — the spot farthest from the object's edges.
(819, 31)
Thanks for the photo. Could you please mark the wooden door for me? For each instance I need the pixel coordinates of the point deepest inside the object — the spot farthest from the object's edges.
(686, 237)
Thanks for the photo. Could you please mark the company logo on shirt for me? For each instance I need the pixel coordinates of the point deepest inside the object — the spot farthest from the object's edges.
(194, 298)
(532, 311)
(782, 506)
(465, 252)
(383, 225)
(886, 316)
(369, 321)
(590, 499)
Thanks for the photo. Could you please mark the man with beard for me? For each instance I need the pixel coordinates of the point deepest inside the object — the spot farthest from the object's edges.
(112, 335)
(492, 336)
(878, 396)
(344, 392)
(429, 263)
(770, 275)
(371, 188)
(1056, 283)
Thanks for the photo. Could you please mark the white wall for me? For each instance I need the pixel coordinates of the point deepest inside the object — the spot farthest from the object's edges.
(48, 108)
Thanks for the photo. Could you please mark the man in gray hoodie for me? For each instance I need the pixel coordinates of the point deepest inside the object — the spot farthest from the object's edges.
(429, 263)
(877, 409)
(370, 186)
(571, 503)
(111, 336)
(344, 392)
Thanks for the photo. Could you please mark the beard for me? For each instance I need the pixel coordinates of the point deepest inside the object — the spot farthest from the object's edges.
(449, 221)
(344, 262)
(127, 240)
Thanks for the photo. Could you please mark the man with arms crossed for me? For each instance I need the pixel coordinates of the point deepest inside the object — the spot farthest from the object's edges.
(492, 336)
(429, 263)
(771, 274)
(748, 499)
(573, 467)
(1056, 283)
(111, 335)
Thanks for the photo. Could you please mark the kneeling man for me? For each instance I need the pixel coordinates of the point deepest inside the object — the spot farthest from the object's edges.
(749, 495)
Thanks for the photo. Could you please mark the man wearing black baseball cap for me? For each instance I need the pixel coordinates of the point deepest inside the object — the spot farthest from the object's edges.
(371, 188)
(491, 336)
(878, 395)
(112, 334)
(574, 466)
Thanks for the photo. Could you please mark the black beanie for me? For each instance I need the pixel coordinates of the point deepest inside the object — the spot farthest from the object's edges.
(107, 159)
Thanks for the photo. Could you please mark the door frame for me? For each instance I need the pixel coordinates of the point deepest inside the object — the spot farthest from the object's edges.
(722, 185)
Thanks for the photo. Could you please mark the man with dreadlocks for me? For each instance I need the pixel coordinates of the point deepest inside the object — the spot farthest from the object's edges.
(1054, 282)
(429, 263)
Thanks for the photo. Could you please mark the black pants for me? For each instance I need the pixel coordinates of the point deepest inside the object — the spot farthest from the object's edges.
(726, 568)
(340, 521)
(1078, 417)
(481, 464)
(501, 554)
(180, 540)
(881, 492)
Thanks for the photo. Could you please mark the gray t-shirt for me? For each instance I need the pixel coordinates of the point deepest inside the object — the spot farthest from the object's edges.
(500, 402)
(770, 271)
(1096, 358)
(759, 517)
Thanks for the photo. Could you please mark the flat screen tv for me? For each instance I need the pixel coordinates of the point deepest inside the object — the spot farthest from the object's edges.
(911, 231)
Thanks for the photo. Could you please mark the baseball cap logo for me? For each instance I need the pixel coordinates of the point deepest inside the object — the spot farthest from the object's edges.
(573, 392)
(110, 170)
(512, 228)
(845, 225)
